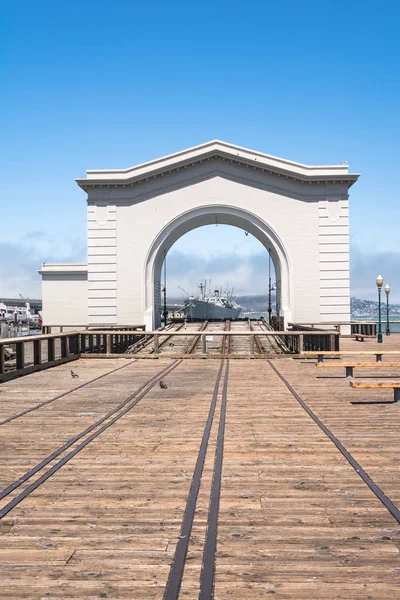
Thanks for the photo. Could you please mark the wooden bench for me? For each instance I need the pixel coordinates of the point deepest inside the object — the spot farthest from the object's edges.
(351, 366)
(360, 337)
(339, 353)
(394, 385)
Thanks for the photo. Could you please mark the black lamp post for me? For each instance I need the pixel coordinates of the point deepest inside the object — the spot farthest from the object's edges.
(269, 287)
(387, 291)
(379, 283)
(165, 311)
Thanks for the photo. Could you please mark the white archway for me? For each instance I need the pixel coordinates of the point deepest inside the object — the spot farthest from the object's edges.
(207, 215)
(135, 215)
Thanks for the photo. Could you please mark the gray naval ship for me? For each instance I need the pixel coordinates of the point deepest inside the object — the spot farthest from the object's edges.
(211, 305)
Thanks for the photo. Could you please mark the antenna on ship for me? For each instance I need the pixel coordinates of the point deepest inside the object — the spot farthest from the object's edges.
(181, 288)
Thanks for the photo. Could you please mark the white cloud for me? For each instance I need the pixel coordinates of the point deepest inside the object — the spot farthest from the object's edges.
(366, 266)
(247, 274)
(20, 261)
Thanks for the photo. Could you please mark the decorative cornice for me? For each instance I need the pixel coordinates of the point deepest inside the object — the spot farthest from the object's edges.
(218, 151)
(63, 269)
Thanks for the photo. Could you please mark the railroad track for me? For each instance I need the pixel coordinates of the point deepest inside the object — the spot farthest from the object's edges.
(84, 438)
(226, 340)
(192, 346)
(267, 344)
(64, 394)
(216, 418)
(386, 501)
(176, 573)
(207, 570)
(146, 346)
(239, 344)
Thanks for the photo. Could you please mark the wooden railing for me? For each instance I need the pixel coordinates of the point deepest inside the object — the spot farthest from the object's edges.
(296, 341)
(356, 327)
(54, 328)
(102, 342)
(364, 328)
(23, 355)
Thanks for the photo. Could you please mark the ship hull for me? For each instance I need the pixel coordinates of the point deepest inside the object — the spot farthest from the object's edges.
(196, 310)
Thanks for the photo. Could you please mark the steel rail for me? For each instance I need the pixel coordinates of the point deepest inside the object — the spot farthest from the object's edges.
(164, 341)
(257, 341)
(178, 563)
(193, 343)
(275, 339)
(145, 340)
(150, 339)
(78, 387)
(388, 504)
(226, 340)
(210, 547)
(149, 384)
(271, 342)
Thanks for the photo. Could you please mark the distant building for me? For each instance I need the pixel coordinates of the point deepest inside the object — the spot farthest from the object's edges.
(36, 305)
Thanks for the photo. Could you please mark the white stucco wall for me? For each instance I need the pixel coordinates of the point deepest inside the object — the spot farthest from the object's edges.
(64, 294)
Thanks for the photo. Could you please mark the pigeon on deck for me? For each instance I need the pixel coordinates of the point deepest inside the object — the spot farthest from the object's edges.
(163, 385)
(74, 374)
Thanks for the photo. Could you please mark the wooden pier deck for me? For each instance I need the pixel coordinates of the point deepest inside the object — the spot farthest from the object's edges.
(294, 519)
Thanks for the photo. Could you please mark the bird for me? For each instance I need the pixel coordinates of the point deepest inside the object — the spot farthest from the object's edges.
(74, 374)
(163, 385)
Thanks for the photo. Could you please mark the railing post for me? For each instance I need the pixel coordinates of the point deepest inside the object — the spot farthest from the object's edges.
(50, 349)
(203, 345)
(156, 345)
(37, 352)
(2, 359)
(332, 344)
(108, 343)
(301, 343)
(63, 347)
(20, 355)
(251, 346)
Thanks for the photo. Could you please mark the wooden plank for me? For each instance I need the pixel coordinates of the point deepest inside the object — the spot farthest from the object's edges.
(375, 365)
(375, 384)
(34, 368)
(349, 352)
(294, 518)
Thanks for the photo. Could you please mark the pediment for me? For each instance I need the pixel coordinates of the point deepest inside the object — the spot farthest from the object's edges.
(217, 152)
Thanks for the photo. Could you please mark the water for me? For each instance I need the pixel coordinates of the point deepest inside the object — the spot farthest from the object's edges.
(394, 322)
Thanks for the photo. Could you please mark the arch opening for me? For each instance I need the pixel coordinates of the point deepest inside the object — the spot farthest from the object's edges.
(208, 215)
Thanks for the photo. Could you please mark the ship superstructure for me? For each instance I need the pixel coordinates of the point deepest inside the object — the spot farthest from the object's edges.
(212, 305)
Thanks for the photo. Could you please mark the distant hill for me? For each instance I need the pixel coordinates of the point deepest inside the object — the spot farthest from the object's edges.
(370, 308)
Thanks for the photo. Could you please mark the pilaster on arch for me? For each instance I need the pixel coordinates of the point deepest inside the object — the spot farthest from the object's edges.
(206, 215)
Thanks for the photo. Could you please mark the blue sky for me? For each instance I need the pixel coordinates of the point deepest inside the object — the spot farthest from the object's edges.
(107, 85)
